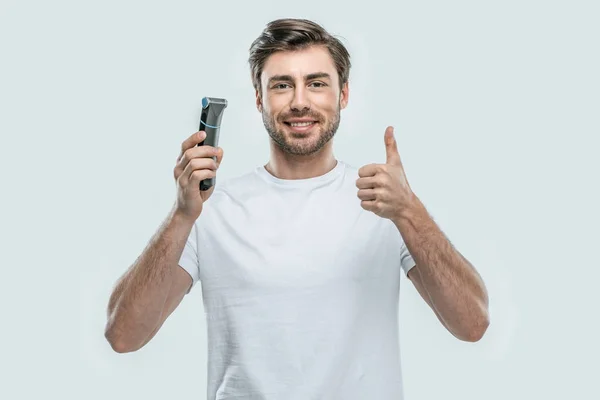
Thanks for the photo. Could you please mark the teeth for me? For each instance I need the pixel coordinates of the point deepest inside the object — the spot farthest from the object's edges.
(301, 123)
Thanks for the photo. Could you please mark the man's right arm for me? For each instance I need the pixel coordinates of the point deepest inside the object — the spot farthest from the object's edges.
(151, 288)
(155, 284)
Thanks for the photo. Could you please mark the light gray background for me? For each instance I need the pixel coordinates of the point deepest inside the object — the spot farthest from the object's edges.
(496, 108)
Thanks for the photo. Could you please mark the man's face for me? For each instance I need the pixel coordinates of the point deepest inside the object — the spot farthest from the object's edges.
(301, 99)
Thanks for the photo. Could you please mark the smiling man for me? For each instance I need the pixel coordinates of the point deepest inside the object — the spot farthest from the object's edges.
(300, 95)
(299, 259)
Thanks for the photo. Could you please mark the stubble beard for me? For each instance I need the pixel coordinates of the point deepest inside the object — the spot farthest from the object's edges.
(304, 146)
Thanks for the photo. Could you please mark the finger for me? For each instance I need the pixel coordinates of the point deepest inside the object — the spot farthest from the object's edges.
(220, 153)
(200, 175)
(369, 205)
(197, 164)
(183, 177)
(391, 147)
(367, 194)
(368, 182)
(368, 170)
(196, 152)
(191, 142)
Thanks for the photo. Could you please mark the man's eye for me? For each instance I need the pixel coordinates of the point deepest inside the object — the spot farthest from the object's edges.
(318, 84)
(280, 86)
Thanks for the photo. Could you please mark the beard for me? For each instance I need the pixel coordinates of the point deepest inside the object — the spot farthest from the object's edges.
(306, 145)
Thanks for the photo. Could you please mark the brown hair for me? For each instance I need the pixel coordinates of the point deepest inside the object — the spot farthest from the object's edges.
(291, 34)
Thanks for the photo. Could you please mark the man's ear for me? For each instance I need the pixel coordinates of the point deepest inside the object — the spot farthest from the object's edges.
(258, 101)
(344, 95)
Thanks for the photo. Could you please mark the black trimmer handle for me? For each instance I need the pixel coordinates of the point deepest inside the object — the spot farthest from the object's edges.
(210, 122)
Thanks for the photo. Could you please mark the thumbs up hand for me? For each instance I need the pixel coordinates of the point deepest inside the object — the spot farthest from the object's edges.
(383, 188)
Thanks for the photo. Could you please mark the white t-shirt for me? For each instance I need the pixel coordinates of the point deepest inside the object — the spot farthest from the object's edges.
(301, 289)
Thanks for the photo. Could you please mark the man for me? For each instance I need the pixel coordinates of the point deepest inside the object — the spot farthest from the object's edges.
(299, 259)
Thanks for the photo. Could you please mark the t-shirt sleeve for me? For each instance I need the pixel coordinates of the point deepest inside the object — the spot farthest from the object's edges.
(189, 257)
(406, 260)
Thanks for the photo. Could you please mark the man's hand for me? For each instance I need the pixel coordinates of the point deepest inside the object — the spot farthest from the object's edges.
(194, 164)
(383, 188)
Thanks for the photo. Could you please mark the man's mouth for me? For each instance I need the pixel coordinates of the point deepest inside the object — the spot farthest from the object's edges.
(301, 126)
(307, 123)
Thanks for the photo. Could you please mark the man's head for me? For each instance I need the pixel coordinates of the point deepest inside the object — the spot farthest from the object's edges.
(300, 74)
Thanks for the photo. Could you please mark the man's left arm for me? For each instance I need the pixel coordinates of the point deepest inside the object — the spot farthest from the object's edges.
(443, 277)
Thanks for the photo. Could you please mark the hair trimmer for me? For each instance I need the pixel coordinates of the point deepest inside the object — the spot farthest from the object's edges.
(210, 122)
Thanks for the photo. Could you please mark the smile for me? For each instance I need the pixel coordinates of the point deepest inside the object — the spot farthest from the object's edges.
(294, 124)
(301, 126)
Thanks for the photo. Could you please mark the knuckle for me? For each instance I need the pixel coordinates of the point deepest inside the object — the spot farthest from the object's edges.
(204, 151)
(195, 163)
(186, 156)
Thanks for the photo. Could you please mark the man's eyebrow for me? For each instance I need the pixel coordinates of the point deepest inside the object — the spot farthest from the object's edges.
(317, 75)
(289, 78)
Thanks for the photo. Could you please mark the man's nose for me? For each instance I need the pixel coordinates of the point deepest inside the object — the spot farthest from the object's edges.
(300, 101)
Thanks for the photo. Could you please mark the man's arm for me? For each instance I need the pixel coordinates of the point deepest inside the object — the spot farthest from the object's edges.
(150, 289)
(442, 276)
(414, 276)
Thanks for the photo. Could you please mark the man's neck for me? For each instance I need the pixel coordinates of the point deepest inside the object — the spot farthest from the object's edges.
(290, 166)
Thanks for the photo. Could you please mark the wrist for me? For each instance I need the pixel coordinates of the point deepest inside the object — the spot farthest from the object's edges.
(410, 212)
(180, 219)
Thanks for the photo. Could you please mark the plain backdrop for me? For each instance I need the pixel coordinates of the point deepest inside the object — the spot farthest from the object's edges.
(496, 107)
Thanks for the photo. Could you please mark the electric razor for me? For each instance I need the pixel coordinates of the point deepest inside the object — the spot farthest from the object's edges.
(210, 122)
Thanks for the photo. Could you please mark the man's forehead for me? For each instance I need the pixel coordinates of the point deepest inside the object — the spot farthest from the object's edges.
(299, 63)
